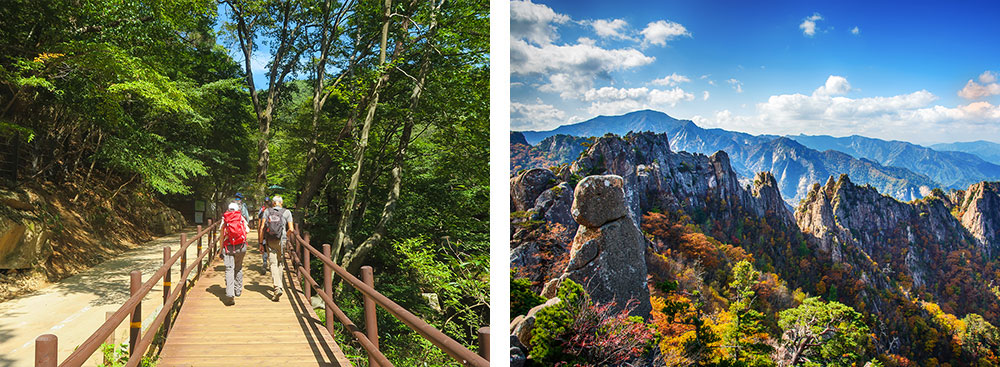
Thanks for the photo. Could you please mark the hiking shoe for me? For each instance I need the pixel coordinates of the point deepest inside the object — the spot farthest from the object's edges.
(277, 295)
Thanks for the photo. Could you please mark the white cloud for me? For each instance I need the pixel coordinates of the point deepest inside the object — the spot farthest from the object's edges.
(611, 100)
(737, 85)
(808, 25)
(571, 69)
(610, 28)
(568, 86)
(661, 31)
(537, 116)
(989, 87)
(855, 31)
(835, 85)
(581, 58)
(910, 116)
(704, 95)
(987, 77)
(671, 80)
(534, 22)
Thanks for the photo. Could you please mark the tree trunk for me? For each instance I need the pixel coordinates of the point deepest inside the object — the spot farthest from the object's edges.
(343, 239)
(356, 257)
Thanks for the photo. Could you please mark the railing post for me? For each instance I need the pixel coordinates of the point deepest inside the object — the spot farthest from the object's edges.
(305, 264)
(199, 249)
(184, 263)
(484, 342)
(371, 322)
(328, 288)
(211, 241)
(111, 338)
(166, 287)
(136, 325)
(46, 350)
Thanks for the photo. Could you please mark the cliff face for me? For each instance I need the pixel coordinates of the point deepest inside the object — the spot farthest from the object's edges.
(654, 179)
(980, 214)
(927, 247)
(658, 179)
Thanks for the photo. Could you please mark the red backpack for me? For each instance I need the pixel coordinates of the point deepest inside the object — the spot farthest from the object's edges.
(236, 233)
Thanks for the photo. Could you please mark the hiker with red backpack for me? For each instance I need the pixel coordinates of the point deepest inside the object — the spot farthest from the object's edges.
(276, 226)
(233, 241)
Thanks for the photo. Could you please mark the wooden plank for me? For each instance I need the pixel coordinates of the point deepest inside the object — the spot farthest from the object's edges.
(254, 331)
(252, 361)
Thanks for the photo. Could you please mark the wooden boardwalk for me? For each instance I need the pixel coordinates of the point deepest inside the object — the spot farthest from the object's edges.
(254, 332)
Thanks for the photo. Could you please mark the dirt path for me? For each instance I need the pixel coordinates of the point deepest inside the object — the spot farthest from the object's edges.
(75, 307)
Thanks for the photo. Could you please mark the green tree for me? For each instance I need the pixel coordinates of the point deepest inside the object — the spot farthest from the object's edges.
(818, 333)
(981, 340)
(746, 335)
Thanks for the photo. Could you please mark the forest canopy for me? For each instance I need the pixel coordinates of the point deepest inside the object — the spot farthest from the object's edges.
(372, 124)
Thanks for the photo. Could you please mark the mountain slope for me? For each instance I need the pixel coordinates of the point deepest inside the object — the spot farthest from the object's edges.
(795, 166)
(913, 269)
(951, 169)
(645, 120)
(988, 151)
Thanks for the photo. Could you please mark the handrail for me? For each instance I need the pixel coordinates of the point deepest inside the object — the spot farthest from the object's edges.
(453, 348)
(358, 334)
(80, 355)
(146, 340)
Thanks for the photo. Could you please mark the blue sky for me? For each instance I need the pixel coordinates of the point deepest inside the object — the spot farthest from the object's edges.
(919, 72)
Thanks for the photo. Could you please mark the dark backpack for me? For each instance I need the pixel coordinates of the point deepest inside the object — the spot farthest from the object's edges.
(235, 230)
(275, 223)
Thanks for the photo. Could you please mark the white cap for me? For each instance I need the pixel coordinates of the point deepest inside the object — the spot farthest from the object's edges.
(234, 206)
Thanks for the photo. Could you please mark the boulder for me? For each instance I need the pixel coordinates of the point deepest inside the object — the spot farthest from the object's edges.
(518, 352)
(551, 287)
(515, 323)
(526, 187)
(598, 200)
(553, 206)
(608, 254)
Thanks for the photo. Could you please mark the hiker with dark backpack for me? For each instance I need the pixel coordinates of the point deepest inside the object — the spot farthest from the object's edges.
(233, 245)
(276, 227)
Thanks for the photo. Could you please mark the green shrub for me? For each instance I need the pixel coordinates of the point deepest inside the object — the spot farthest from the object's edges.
(117, 356)
(522, 299)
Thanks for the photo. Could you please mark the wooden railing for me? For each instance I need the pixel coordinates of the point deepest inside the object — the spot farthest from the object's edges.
(46, 346)
(300, 254)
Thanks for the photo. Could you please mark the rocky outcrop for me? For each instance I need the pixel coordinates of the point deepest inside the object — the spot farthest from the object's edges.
(656, 178)
(653, 179)
(765, 191)
(24, 243)
(980, 208)
(24, 237)
(526, 187)
(841, 213)
(608, 253)
(882, 239)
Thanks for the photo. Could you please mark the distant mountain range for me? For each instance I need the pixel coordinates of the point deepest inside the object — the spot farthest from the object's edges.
(986, 150)
(953, 169)
(903, 170)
